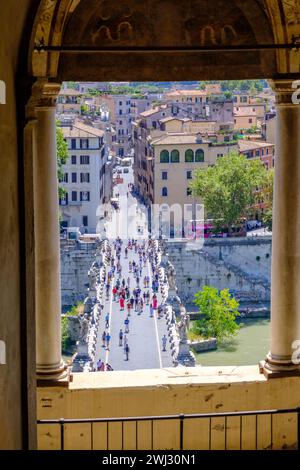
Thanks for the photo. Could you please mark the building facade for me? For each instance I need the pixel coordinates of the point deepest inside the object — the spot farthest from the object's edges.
(87, 177)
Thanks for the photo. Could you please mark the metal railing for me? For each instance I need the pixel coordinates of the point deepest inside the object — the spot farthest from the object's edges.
(181, 420)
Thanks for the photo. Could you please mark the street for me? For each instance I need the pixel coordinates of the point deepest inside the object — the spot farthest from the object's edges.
(145, 331)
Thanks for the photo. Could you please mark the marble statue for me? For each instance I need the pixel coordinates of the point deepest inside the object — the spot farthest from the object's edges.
(84, 327)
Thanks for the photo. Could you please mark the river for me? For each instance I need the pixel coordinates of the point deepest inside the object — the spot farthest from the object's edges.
(249, 346)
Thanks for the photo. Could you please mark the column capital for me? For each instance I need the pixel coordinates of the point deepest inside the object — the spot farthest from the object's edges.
(44, 96)
(284, 89)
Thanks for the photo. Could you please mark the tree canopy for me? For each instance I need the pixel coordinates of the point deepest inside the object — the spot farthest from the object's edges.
(62, 156)
(241, 86)
(227, 189)
(219, 310)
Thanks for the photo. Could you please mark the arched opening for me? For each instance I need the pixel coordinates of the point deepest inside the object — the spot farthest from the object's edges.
(164, 156)
(189, 156)
(80, 25)
(175, 156)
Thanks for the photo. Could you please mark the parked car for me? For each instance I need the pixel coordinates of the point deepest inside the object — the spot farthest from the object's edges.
(126, 170)
(119, 171)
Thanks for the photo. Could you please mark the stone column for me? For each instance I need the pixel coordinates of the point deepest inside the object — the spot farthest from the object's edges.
(46, 231)
(285, 292)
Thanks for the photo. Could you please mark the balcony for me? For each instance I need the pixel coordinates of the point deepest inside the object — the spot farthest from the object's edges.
(239, 407)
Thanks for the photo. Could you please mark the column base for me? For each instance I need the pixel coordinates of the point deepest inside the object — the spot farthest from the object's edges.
(276, 368)
(52, 372)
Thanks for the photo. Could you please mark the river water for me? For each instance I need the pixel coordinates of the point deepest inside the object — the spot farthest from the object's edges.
(249, 346)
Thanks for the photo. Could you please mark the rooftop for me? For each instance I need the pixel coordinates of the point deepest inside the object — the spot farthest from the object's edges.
(245, 145)
(81, 130)
(155, 110)
(70, 92)
(187, 93)
(178, 138)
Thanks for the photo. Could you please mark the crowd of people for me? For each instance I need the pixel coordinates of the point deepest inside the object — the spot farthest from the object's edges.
(136, 293)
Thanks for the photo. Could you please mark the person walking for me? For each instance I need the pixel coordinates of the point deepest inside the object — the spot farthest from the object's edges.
(125, 341)
(151, 310)
(128, 308)
(107, 340)
(164, 342)
(121, 337)
(126, 323)
(122, 303)
(103, 339)
(107, 321)
(127, 350)
(114, 291)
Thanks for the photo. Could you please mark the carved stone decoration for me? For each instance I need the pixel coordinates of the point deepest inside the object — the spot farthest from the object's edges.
(228, 27)
(292, 11)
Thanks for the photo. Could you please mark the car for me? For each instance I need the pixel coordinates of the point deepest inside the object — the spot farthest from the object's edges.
(126, 170)
(119, 171)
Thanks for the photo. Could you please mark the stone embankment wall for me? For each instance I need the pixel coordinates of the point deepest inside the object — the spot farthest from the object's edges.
(75, 264)
(242, 265)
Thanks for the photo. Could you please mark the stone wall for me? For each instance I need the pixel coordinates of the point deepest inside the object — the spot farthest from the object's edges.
(75, 264)
(242, 265)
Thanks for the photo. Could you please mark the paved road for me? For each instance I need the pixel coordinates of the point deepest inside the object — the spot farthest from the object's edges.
(145, 332)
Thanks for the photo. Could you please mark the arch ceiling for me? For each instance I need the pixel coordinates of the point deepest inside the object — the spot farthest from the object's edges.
(161, 24)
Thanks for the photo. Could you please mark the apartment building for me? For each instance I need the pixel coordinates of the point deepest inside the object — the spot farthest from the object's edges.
(87, 177)
(120, 117)
(69, 101)
(258, 150)
(208, 104)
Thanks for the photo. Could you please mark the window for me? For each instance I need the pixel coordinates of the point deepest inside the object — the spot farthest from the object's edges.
(74, 195)
(66, 177)
(85, 220)
(120, 112)
(188, 192)
(189, 156)
(267, 151)
(73, 159)
(120, 103)
(84, 195)
(73, 143)
(164, 191)
(220, 155)
(84, 177)
(189, 175)
(262, 152)
(174, 156)
(164, 156)
(84, 143)
(74, 177)
(164, 175)
(250, 121)
(120, 122)
(199, 156)
(257, 153)
(84, 159)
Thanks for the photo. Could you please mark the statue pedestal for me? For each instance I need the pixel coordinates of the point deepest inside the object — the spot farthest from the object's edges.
(81, 358)
(82, 349)
(185, 356)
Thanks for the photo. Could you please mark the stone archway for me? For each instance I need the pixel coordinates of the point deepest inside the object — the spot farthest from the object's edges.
(162, 40)
(153, 39)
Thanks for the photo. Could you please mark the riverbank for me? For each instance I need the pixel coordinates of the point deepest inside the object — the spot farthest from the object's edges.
(249, 346)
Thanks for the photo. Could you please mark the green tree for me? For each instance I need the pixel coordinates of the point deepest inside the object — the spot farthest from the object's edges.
(219, 311)
(227, 189)
(62, 157)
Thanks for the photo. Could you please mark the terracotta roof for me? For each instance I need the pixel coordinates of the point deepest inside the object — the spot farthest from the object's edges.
(169, 139)
(155, 110)
(70, 92)
(245, 145)
(81, 130)
(187, 93)
(170, 118)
